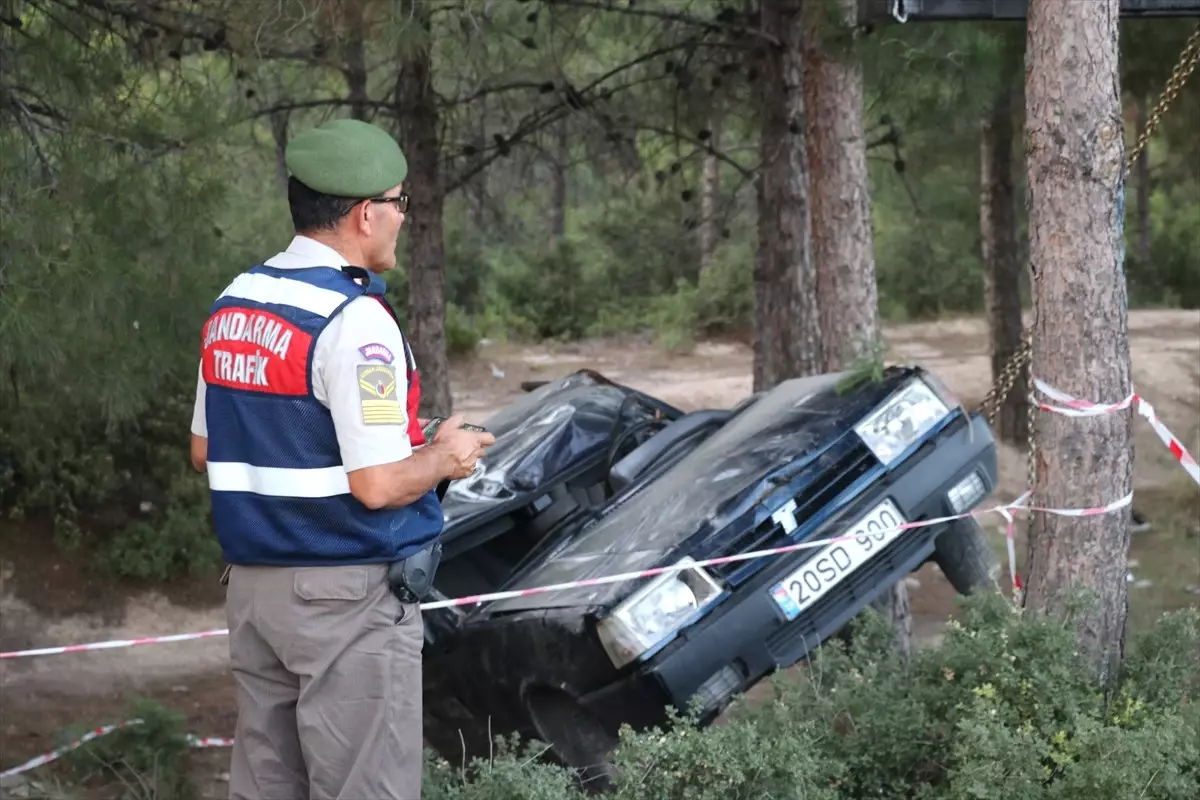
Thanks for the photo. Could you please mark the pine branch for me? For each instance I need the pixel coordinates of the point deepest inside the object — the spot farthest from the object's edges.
(574, 98)
(699, 145)
(715, 24)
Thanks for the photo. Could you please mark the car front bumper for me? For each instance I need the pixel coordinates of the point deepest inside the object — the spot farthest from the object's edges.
(747, 636)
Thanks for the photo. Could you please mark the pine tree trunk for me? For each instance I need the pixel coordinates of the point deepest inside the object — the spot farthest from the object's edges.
(709, 187)
(1075, 154)
(787, 336)
(418, 115)
(843, 242)
(354, 58)
(479, 182)
(279, 132)
(558, 182)
(842, 236)
(1002, 268)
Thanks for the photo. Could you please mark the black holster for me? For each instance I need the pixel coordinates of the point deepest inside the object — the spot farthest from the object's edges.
(412, 578)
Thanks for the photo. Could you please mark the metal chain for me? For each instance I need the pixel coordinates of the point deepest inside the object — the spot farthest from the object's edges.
(1183, 70)
(1008, 375)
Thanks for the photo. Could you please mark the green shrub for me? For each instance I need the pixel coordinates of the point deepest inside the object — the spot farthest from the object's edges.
(142, 762)
(1003, 708)
(775, 754)
(553, 289)
(125, 493)
(514, 773)
(462, 336)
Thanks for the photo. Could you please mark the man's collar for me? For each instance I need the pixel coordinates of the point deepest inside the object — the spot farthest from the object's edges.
(304, 252)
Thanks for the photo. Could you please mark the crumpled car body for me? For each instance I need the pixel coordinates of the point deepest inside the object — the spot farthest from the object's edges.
(590, 479)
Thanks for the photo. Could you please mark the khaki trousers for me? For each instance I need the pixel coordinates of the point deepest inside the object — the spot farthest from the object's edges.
(327, 664)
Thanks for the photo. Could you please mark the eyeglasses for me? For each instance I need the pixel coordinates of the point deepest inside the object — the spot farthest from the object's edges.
(401, 201)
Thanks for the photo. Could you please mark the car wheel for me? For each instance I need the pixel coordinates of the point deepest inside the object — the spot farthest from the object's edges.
(966, 559)
(575, 736)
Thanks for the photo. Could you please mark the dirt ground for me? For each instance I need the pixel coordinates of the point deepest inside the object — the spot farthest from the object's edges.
(45, 600)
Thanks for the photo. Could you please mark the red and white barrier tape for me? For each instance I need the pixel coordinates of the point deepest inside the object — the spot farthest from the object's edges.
(1071, 406)
(1005, 511)
(1010, 541)
(1076, 407)
(79, 648)
(621, 577)
(54, 755)
(1173, 444)
(649, 573)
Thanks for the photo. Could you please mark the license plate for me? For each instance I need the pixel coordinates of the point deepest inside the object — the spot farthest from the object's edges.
(833, 563)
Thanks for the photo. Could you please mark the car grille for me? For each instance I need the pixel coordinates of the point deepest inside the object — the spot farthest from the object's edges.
(796, 638)
(832, 474)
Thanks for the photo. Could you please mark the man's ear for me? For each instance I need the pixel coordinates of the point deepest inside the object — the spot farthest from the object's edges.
(361, 216)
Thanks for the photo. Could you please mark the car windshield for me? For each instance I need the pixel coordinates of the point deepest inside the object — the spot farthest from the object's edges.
(720, 471)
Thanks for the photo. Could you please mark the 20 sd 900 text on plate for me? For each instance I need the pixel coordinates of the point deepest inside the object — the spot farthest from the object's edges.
(831, 565)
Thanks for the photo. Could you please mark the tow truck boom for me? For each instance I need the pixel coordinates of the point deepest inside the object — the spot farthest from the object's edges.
(947, 10)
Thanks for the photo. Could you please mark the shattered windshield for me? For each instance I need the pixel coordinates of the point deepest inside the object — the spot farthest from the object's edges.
(754, 444)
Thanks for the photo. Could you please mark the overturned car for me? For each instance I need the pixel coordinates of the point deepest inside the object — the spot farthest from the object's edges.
(589, 478)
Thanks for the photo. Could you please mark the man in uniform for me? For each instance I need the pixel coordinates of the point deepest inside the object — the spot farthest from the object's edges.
(324, 491)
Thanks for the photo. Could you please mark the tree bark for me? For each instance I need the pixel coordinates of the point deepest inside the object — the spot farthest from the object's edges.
(354, 58)
(1075, 154)
(842, 236)
(710, 176)
(279, 132)
(787, 335)
(558, 182)
(479, 183)
(1002, 267)
(416, 109)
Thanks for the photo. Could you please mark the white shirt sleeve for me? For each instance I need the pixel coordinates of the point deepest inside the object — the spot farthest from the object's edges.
(360, 374)
(199, 421)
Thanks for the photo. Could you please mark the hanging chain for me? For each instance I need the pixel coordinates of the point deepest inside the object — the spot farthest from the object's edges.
(1183, 70)
(1023, 356)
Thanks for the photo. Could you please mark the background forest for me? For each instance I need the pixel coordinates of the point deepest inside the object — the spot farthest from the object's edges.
(582, 172)
(591, 167)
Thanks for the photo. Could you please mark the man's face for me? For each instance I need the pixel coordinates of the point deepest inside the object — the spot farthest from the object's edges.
(383, 219)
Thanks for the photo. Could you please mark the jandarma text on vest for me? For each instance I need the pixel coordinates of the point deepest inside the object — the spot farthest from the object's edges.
(250, 342)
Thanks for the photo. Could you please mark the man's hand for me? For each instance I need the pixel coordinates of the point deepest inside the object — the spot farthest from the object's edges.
(451, 455)
(464, 448)
(199, 453)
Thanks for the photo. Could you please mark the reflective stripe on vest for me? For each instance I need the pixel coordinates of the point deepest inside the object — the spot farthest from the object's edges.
(280, 494)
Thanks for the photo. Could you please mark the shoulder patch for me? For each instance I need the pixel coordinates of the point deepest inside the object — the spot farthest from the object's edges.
(377, 352)
(378, 397)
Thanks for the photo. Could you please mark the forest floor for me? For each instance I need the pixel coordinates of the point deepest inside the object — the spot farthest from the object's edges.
(46, 599)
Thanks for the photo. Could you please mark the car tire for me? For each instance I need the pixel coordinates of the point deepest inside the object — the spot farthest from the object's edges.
(577, 739)
(966, 559)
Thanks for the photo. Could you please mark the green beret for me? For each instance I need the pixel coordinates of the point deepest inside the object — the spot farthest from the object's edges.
(346, 158)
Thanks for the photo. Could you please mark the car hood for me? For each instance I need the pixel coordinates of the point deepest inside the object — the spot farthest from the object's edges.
(723, 478)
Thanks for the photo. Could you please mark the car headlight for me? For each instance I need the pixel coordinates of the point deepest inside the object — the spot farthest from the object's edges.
(903, 419)
(656, 611)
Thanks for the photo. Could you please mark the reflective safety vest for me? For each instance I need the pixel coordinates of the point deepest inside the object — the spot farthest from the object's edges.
(280, 495)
